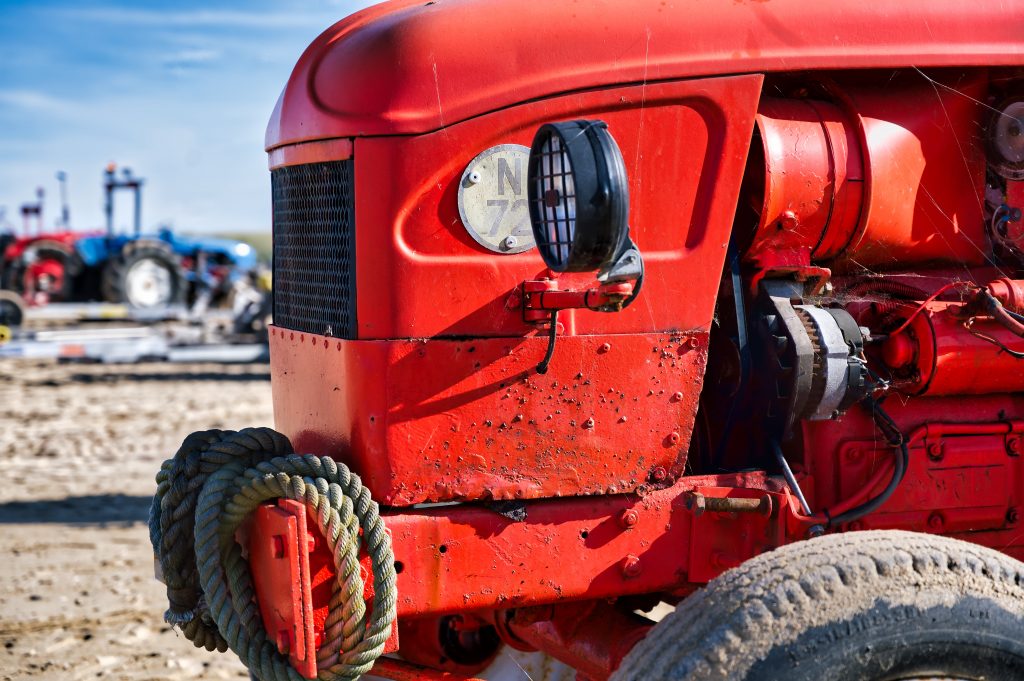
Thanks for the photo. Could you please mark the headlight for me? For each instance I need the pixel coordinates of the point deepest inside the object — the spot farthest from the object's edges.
(578, 196)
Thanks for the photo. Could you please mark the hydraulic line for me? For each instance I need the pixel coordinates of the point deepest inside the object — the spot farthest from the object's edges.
(542, 368)
(896, 439)
(791, 480)
(840, 514)
(1000, 313)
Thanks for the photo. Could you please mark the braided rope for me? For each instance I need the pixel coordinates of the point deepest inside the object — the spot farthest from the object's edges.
(214, 482)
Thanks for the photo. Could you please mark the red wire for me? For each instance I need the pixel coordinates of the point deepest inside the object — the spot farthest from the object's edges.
(928, 300)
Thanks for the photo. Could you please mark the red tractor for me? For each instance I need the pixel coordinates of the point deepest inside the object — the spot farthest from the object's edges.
(583, 308)
(40, 265)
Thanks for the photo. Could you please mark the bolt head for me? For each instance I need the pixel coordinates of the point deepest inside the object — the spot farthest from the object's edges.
(474, 177)
(629, 518)
(936, 522)
(659, 474)
(605, 347)
(789, 220)
(510, 242)
(631, 566)
(935, 451)
(1012, 516)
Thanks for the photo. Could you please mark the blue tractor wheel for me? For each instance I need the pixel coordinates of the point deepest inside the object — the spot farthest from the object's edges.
(144, 275)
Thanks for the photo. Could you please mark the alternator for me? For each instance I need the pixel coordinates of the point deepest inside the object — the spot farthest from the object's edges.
(838, 379)
(812, 358)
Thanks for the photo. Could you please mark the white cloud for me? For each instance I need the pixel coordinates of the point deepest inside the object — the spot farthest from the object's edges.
(182, 60)
(35, 101)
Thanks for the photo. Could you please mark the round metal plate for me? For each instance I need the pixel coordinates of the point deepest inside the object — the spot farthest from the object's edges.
(492, 199)
(1008, 138)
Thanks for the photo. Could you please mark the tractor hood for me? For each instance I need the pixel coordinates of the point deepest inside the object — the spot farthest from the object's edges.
(410, 67)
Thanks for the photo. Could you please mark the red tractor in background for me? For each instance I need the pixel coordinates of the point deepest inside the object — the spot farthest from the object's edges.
(583, 308)
(144, 270)
(40, 265)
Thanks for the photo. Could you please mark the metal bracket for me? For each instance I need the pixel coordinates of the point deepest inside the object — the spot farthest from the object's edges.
(293, 574)
(280, 575)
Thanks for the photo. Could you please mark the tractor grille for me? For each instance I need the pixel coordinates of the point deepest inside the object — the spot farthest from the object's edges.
(314, 248)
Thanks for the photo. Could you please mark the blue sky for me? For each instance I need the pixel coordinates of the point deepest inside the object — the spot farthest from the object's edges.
(178, 91)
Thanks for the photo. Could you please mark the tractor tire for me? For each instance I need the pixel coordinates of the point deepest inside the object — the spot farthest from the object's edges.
(68, 260)
(144, 276)
(866, 606)
(12, 309)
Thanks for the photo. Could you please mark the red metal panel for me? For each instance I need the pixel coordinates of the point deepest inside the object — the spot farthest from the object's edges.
(420, 274)
(463, 558)
(311, 152)
(835, 451)
(434, 420)
(412, 66)
(720, 541)
(953, 484)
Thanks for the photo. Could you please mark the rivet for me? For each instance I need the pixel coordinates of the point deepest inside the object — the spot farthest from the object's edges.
(631, 566)
(605, 347)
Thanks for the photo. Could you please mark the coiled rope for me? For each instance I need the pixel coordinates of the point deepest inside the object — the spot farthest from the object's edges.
(215, 480)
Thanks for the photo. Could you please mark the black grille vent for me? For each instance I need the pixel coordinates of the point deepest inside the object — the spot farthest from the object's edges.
(314, 248)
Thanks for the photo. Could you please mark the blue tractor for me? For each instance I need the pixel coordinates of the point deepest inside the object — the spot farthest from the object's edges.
(153, 270)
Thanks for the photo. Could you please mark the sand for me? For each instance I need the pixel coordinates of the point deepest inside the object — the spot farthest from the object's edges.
(79, 445)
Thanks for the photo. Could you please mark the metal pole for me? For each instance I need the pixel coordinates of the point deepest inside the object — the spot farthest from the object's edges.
(137, 186)
(108, 198)
(65, 210)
